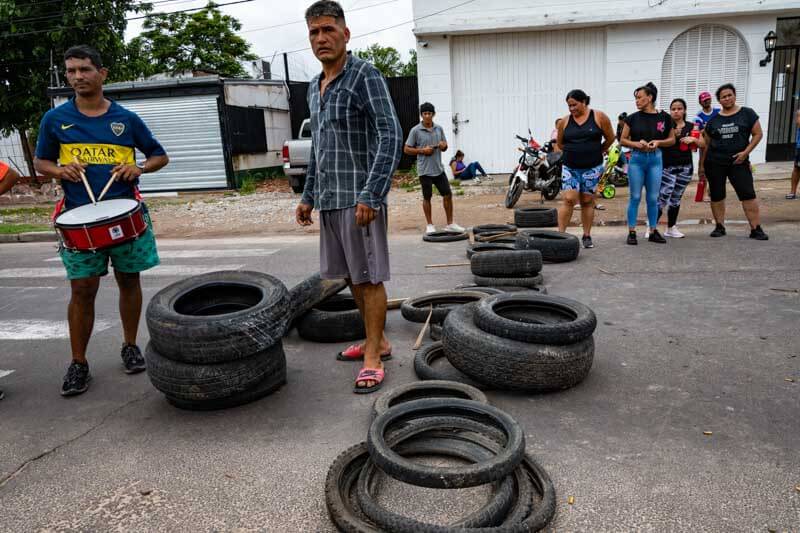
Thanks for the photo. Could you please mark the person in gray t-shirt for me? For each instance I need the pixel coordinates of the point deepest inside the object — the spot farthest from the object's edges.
(426, 140)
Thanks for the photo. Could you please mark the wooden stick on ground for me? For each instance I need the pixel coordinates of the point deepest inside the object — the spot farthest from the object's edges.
(423, 331)
(500, 236)
(445, 265)
(395, 303)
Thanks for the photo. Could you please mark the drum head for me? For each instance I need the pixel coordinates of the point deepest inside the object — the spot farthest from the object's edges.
(91, 213)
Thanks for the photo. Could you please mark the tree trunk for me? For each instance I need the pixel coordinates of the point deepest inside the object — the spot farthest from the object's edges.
(26, 150)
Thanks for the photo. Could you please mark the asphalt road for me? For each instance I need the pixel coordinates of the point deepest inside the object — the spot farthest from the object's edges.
(691, 339)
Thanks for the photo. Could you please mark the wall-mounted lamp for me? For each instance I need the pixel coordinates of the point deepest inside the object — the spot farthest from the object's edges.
(770, 41)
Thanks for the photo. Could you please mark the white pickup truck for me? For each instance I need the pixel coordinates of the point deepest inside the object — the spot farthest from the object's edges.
(296, 154)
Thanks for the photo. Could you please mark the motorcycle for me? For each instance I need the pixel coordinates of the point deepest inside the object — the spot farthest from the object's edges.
(539, 169)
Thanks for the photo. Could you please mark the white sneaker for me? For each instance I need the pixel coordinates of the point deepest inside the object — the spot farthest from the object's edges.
(454, 227)
(647, 233)
(430, 229)
(674, 233)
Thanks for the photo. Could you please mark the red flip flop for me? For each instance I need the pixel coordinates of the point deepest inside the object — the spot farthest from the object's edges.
(356, 353)
(369, 374)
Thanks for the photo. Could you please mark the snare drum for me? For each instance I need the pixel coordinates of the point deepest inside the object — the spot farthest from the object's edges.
(96, 226)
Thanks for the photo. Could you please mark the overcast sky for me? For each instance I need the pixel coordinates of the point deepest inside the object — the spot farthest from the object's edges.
(255, 15)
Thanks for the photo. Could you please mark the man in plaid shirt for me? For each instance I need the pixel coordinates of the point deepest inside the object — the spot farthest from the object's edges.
(356, 144)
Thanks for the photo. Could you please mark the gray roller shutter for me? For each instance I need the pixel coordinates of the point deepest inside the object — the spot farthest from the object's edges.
(189, 129)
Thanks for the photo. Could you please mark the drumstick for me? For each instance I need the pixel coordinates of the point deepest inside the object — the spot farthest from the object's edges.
(108, 186)
(86, 184)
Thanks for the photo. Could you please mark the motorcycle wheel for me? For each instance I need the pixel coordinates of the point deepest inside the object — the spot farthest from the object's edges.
(551, 192)
(609, 192)
(513, 194)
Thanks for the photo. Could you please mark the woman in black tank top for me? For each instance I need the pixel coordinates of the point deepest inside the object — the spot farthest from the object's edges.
(583, 135)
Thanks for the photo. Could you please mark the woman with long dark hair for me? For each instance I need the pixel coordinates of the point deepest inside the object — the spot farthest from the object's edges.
(646, 132)
(678, 168)
(583, 135)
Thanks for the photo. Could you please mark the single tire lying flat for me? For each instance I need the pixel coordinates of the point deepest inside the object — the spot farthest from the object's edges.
(445, 236)
(489, 236)
(426, 389)
(218, 317)
(536, 217)
(484, 228)
(507, 364)
(556, 247)
(336, 319)
(195, 383)
(507, 263)
(535, 318)
(417, 309)
(423, 366)
(530, 281)
(481, 247)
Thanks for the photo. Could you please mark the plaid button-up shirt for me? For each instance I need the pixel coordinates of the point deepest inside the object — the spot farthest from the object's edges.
(356, 139)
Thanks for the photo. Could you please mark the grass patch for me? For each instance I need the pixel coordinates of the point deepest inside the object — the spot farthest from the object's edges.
(459, 192)
(455, 183)
(37, 211)
(7, 229)
(248, 185)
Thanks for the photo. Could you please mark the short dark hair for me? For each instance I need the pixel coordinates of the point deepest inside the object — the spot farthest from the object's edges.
(84, 51)
(724, 87)
(579, 96)
(325, 8)
(427, 107)
(650, 90)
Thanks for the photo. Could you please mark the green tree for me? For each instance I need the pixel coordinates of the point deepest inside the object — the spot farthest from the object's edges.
(31, 33)
(410, 68)
(180, 42)
(385, 58)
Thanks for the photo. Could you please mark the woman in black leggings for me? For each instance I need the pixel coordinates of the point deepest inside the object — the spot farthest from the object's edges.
(678, 168)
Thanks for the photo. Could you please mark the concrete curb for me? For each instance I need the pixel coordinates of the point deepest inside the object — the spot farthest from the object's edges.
(32, 236)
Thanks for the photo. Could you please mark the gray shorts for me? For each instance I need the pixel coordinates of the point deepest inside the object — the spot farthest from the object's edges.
(347, 250)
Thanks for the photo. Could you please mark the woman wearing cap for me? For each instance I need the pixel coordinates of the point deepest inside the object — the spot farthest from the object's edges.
(646, 132)
(729, 138)
(678, 168)
(706, 113)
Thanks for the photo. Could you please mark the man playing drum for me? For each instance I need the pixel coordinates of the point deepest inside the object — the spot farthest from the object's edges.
(94, 137)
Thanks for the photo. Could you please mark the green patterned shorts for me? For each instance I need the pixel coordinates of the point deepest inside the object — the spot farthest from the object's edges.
(132, 257)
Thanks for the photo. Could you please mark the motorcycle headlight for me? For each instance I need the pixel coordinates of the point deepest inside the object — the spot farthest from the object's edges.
(530, 159)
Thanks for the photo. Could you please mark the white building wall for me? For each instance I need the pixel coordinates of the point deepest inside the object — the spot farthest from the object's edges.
(435, 85)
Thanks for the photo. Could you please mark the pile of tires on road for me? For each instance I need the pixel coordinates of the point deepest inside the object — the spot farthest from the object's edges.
(555, 246)
(514, 341)
(450, 421)
(215, 339)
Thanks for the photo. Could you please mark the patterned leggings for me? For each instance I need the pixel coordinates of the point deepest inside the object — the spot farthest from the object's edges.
(673, 182)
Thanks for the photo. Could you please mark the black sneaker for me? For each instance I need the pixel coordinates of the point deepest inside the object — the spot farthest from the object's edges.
(632, 238)
(655, 236)
(77, 379)
(758, 234)
(132, 359)
(587, 241)
(719, 231)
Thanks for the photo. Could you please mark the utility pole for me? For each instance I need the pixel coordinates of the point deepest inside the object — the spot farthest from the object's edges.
(286, 67)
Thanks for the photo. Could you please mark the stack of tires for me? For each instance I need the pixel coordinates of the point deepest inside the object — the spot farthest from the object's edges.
(515, 341)
(215, 339)
(520, 268)
(487, 238)
(490, 441)
(536, 217)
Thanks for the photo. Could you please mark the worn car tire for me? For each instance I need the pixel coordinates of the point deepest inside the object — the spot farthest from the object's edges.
(507, 263)
(480, 247)
(530, 281)
(423, 367)
(535, 318)
(310, 292)
(218, 317)
(445, 236)
(336, 319)
(461, 476)
(507, 364)
(265, 387)
(425, 389)
(490, 236)
(556, 247)
(536, 217)
(194, 383)
(478, 288)
(416, 309)
(486, 228)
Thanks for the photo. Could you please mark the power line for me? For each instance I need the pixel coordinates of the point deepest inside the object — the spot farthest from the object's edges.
(128, 19)
(301, 21)
(378, 30)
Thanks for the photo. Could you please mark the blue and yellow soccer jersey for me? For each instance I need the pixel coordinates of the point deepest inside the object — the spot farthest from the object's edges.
(67, 135)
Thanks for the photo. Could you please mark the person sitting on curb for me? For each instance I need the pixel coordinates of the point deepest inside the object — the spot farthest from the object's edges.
(426, 141)
(466, 172)
(8, 177)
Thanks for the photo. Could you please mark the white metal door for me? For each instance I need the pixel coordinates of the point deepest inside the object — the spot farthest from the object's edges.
(188, 127)
(506, 83)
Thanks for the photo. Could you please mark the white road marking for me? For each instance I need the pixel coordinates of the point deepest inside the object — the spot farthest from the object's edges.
(236, 241)
(162, 270)
(42, 329)
(203, 254)
(4, 373)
